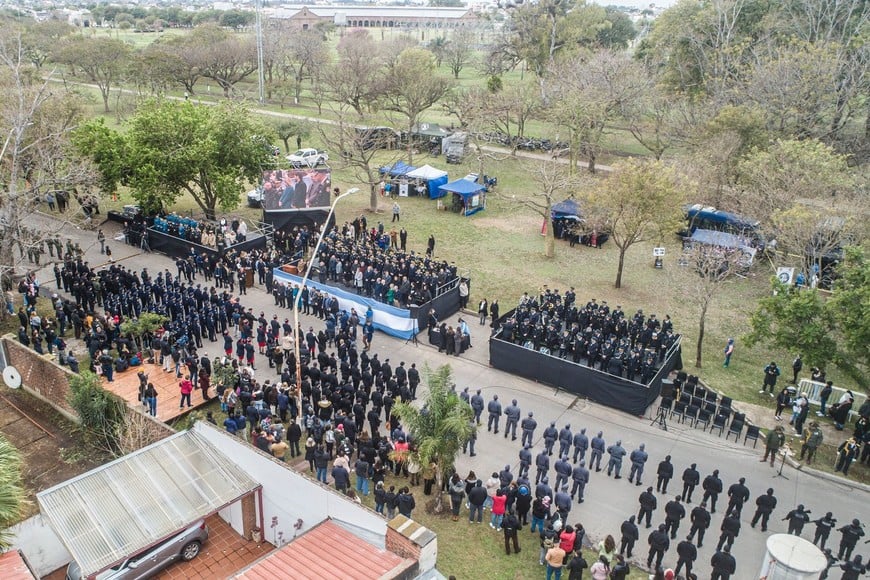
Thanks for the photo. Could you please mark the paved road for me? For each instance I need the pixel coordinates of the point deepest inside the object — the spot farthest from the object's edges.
(608, 502)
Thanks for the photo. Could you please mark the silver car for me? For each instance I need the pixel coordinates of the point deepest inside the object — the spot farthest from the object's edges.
(184, 546)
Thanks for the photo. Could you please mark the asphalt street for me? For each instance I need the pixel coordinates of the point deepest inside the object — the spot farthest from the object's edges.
(608, 502)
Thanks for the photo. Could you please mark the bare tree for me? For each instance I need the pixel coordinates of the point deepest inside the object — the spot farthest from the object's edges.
(103, 60)
(360, 151)
(586, 95)
(412, 86)
(711, 268)
(36, 156)
(355, 77)
(224, 57)
(459, 51)
(553, 183)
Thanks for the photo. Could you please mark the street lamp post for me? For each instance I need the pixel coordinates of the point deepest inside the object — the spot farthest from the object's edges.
(298, 299)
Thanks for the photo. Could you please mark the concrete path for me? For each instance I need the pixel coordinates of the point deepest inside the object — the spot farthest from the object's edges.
(608, 502)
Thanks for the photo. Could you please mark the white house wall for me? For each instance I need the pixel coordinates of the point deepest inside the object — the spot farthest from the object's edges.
(287, 495)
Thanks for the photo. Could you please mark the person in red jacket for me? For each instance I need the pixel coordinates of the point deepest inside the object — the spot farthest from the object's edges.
(498, 509)
(186, 388)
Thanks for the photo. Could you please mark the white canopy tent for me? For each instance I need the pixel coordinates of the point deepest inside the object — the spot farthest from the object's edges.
(433, 177)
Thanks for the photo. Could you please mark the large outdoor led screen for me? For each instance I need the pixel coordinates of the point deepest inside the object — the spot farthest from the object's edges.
(296, 189)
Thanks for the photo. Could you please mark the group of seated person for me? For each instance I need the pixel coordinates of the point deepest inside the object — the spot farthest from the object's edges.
(210, 235)
(592, 334)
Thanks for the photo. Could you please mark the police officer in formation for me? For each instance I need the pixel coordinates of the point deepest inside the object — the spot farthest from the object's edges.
(665, 472)
(512, 418)
(528, 426)
(494, 410)
(638, 458)
(616, 452)
(765, 504)
(581, 444)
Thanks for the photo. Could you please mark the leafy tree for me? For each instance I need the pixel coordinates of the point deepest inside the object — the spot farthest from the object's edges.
(306, 53)
(292, 128)
(849, 306)
(540, 32)
(439, 428)
(800, 185)
(412, 86)
(103, 60)
(798, 320)
(41, 39)
(620, 31)
(236, 19)
(143, 328)
(640, 201)
(210, 152)
(12, 495)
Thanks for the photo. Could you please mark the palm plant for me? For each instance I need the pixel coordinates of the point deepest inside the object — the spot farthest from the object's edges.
(439, 428)
(11, 489)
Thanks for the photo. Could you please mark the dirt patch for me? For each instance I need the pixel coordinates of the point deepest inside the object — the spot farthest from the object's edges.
(51, 452)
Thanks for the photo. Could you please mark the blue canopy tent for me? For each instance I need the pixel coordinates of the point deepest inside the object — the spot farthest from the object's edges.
(568, 209)
(397, 169)
(468, 197)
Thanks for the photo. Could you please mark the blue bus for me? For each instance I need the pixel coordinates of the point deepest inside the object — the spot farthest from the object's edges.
(699, 217)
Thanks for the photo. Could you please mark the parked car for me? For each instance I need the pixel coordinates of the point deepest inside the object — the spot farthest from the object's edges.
(308, 158)
(255, 197)
(184, 546)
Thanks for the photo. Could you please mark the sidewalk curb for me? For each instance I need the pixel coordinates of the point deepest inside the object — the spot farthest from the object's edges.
(828, 476)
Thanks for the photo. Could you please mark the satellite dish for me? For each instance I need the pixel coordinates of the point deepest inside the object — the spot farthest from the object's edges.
(11, 377)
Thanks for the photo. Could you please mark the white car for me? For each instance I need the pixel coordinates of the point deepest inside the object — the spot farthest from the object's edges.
(308, 158)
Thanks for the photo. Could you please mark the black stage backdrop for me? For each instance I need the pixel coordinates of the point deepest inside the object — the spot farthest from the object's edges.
(598, 386)
(445, 305)
(176, 247)
(285, 220)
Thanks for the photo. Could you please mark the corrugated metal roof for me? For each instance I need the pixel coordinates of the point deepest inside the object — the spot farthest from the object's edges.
(13, 567)
(327, 551)
(118, 509)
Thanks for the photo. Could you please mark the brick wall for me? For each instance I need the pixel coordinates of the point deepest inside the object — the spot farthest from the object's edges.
(408, 539)
(47, 380)
(41, 376)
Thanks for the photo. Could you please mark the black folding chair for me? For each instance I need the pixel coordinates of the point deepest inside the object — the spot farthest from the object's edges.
(667, 404)
(710, 408)
(686, 398)
(691, 414)
(725, 402)
(719, 423)
(679, 409)
(752, 432)
(736, 429)
(712, 396)
(704, 417)
(738, 418)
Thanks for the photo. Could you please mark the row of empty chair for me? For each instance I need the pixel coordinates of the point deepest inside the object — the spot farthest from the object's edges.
(703, 412)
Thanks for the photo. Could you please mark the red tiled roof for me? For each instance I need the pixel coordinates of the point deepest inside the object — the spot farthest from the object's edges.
(326, 551)
(12, 567)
